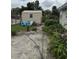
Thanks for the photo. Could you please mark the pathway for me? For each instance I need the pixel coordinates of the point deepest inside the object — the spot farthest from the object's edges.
(30, 45)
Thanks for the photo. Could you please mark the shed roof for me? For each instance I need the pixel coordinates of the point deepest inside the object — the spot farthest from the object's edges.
(32, 11)
(64, 6)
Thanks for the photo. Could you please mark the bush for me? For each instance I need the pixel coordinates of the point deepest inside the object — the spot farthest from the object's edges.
(51, 22)
(33, 28)
(34, 24)
(44, 18)
(57, 46)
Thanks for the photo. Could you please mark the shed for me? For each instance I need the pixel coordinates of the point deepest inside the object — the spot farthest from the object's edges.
(32, 15)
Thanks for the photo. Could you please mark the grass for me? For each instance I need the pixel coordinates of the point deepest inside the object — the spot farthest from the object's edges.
(17, 28)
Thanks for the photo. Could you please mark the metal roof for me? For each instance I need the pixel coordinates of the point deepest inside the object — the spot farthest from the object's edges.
(63, 7)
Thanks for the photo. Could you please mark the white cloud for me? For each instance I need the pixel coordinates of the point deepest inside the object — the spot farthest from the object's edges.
(46, 4)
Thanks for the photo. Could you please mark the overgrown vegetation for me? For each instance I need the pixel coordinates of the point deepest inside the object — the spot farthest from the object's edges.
(17, 28)
(56, 33)
(57, 46)
(57, 42)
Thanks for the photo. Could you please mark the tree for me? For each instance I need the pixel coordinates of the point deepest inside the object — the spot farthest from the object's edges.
(15, 12)
(55, 11)
(36, 5)
(22, 9)
(47, 14)
(40, 8)
(30, 6)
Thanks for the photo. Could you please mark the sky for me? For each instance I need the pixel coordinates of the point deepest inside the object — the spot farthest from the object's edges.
(46, 4)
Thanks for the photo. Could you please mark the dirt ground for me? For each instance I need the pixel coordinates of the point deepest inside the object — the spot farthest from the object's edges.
(29, 45)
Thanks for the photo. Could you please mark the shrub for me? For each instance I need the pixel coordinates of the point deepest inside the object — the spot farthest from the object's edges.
(51, 22)
(55, 27)
(44, 18)
(34, 24)
(33, 28)
(16, 28)
(57, 46)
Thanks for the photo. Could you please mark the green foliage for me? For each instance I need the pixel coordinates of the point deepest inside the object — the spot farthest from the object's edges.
(57, 46)
(34, 24)
(53, 26)
(15, 12)
(36, 5)
(57, 43)
(55, 11)
(33, 5)
(22, 9)
(47, 14)
(33, 28)
(17, 28)
(53, 15)
(51, 22)
(30, 6)
(44, 18)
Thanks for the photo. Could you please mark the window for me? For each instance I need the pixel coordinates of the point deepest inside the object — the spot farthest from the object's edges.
(31, 15)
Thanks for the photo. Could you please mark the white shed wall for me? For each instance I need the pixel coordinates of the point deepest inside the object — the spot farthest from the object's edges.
(37, 16)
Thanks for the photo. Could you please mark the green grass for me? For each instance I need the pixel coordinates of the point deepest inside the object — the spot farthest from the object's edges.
(17, 27)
